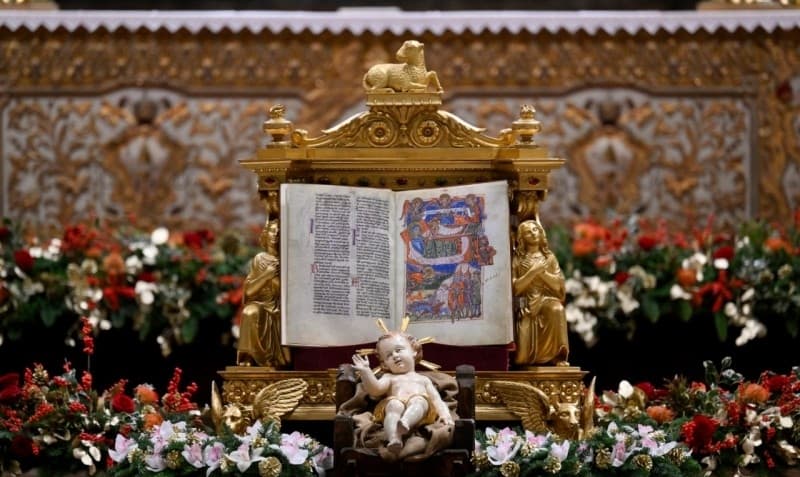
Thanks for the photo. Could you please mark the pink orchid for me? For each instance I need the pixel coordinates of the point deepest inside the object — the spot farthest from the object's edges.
(535, 440)
(559, 451)
(193, 455)
(122, 447)
(243, 459)
(212, 456)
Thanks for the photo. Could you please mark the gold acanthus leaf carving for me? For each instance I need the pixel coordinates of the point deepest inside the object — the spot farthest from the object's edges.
(403, 126)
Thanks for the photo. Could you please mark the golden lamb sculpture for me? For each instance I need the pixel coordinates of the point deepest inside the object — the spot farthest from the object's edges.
(408, 76)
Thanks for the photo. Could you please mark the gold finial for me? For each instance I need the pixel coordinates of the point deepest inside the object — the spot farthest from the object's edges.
(278, 126)
(526, 126)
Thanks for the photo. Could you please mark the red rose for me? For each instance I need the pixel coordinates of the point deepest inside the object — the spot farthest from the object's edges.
(621, 277)
(122, 403)
(699, 432)
(9, 388)
(648, 242)
(198, 238)
(726, 252)
(77, 238)
(648, 389)
(24, 260)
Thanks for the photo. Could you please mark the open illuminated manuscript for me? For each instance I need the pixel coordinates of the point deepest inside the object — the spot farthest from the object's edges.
(439, 256)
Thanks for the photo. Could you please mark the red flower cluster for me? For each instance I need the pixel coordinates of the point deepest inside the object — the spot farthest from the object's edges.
(176, 401)
(77, 238)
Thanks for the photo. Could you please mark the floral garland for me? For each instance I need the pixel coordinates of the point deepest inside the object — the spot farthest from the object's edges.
(60, 424)
(725, 426)
(625, 273)
(162, 285)
(165, 284)
(617, 450)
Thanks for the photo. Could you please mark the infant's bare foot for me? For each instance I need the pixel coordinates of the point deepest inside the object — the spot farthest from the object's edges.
(402, 427)
(395, 446)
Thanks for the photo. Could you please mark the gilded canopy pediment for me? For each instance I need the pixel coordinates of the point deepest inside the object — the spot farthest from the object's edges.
(404, 140)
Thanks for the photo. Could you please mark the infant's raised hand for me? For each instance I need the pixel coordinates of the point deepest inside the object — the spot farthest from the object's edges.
(361, 363)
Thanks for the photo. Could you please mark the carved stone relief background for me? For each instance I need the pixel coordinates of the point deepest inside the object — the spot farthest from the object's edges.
(151, 124)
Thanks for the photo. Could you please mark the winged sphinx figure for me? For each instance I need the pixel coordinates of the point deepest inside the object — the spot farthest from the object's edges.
(540, 415)
(268, 405)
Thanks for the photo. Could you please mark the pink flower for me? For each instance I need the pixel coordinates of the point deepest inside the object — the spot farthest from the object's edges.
(193, 455)
(154, 462)
(620, 453)
(212, 456)
(559, 451)
(243, 459)
(293, 447)
(122, 447)
(323, 460)
(534, 440)
(506, 445)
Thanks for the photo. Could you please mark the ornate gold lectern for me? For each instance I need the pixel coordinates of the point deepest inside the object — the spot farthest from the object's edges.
(405, 141)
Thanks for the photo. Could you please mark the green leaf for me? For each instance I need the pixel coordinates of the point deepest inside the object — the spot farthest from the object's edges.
(650, 309)
(189, 329)
(49, 315)
(685, 310)
(791, 327)
(721, 323)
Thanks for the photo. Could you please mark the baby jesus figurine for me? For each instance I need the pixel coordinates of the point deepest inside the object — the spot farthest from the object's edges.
(409, 399)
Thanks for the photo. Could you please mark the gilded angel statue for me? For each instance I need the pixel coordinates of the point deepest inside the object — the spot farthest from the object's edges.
(260, 333)
(268, 405)
(540, 414)
(541, 324)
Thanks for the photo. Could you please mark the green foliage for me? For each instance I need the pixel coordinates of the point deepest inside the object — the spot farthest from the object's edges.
(157, 284)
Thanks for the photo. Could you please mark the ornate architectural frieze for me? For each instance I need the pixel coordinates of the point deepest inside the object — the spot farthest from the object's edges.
(694, 115)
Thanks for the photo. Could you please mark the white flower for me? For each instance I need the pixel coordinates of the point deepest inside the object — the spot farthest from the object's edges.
(626, 300)
(788, 451)
(149, 254)
(748, 294)
(133, 265)
(752, 329)
(573, 286)
(678, 293)
(786, 422)
(159, 236)
(242, 458)
(721, 263)
(749, 444)
(145, 292)
(625, 390)
(648, 279)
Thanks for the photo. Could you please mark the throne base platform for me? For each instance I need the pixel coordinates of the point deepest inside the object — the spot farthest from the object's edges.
(241, 383)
